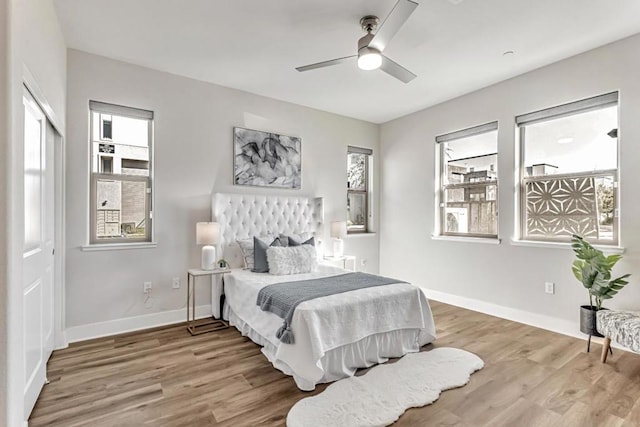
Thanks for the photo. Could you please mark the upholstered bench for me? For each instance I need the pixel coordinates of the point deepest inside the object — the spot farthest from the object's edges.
(622, 327)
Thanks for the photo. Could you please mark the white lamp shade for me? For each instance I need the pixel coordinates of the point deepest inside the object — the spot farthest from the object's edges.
(339, 229)
(207, 233)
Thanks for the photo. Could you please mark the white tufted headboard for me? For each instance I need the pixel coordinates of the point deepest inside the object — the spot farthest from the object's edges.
(244, 215)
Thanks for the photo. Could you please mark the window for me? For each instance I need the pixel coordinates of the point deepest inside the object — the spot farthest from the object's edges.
(569, 171)
(469, 182)
(106, 163)
(106, 126)
(121, 174)
(358, 189)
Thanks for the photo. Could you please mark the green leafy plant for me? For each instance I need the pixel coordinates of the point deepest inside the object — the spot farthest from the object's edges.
(593, 270)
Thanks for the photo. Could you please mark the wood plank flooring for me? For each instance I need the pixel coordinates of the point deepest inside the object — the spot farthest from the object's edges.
(166, 377)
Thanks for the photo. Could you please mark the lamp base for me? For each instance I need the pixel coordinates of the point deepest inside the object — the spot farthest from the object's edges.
(208, 258)
(338, 248)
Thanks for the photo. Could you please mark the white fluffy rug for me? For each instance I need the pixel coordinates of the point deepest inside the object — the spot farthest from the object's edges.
(380, 396)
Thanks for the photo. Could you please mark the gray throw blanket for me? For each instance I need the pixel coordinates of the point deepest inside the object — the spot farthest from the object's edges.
(283, 298)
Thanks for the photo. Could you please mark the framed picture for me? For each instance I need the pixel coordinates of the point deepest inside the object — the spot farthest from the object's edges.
(266, 159)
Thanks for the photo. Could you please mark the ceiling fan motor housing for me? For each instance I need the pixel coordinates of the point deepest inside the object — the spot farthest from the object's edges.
(364, 41)
(369, 58)
(369, 23)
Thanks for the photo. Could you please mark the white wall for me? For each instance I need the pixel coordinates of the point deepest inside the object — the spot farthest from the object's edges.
(36, 51)
(193, 157)
(506, 275)
(4, 179)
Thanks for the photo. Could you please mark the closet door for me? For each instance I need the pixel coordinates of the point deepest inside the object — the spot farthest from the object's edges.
(38, 249)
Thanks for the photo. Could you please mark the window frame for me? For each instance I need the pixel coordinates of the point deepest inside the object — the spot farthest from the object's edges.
(441, 204)
(559, 111)
(111, 109)
(365, 192)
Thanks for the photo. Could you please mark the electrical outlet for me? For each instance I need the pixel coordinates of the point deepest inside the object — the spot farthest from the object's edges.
(147, 287)
(550, 287)
(363, 262)
(175, 283)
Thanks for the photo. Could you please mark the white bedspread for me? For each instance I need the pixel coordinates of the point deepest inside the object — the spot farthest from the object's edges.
(324, 324)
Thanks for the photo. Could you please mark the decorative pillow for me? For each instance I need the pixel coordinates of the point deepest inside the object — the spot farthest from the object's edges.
(246, 247)
(294, 242)
(284, 238)
(292, 260)
(260, 264)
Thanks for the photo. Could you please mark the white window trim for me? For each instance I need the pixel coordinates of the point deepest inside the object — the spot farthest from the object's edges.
(117, 244)
(563, 110)
(368, 195)
(438, 231)
(565, 245)
(468, 239)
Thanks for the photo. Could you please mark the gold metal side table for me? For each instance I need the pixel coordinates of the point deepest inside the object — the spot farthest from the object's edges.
(201, 326)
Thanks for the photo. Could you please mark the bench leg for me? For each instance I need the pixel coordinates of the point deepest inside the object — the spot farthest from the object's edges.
(605, 349)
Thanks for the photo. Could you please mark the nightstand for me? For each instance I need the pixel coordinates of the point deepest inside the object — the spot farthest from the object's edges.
(201, 326)
(342, 261)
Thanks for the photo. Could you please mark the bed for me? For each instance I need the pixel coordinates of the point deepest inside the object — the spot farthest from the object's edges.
(384, 321)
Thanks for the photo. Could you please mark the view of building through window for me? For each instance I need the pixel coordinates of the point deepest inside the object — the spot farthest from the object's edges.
(121, 182)
(469, 182)
(569, 174)
(357, 189)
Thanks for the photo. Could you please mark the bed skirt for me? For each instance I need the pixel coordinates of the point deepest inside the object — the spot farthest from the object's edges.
(341, 362)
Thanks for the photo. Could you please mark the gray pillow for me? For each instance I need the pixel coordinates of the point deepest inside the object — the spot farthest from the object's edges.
(260, 264)
(246, 247)
(284, 238)
(294, 242)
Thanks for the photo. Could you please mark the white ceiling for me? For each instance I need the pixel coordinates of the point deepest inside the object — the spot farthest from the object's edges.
(454, 46)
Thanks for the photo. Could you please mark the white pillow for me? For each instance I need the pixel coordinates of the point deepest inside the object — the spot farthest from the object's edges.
(292, 259)
(246, 247)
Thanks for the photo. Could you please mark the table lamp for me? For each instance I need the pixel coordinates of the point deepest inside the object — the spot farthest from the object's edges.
(208, 234)
(338, 232)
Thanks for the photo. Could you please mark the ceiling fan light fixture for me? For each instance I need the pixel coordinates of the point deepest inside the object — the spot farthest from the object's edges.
(371, 45)
(369, 59)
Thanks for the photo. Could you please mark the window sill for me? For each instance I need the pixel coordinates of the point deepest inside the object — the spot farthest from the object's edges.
(564, 245)
(360, 233)
(118, 246)
(485, 240)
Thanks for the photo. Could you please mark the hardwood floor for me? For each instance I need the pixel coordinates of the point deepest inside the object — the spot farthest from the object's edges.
(166, 377)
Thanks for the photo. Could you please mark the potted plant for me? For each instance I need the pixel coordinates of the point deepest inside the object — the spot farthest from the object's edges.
(593, 270)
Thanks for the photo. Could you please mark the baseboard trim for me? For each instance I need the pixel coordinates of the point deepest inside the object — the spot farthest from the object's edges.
(131, 324)
(550, 323)
(61, 341)
(147, 321)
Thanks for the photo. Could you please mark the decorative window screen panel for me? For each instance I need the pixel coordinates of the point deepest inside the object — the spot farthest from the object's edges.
(358, 179)
(469, 182)
(121, 173)
(569, 176)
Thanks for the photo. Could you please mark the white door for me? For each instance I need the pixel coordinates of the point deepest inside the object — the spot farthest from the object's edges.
(38, 249)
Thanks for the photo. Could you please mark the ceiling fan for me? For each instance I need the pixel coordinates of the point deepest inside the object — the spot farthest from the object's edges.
(371, 46)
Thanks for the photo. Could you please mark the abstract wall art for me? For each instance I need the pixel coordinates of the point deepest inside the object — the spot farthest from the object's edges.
(266, 159)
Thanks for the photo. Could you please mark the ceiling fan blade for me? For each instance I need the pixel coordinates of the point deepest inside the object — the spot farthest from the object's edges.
(392, 23)
(327, 63)
(396, 70)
